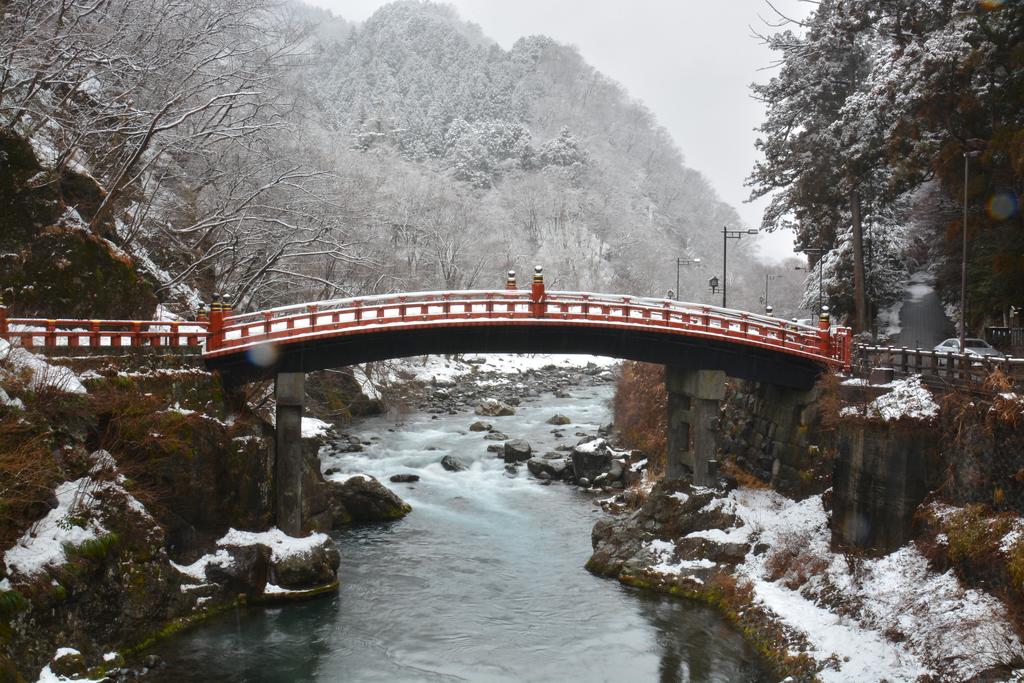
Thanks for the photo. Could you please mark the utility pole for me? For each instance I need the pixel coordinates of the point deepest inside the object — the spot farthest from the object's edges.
(820, 253)
(683, 262)
(768, 277)
(727, 235)
(972, 149)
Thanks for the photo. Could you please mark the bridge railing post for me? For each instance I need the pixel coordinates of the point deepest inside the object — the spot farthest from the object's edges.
(3, 320)
(215, 340)
(537, 293)
(825, 331)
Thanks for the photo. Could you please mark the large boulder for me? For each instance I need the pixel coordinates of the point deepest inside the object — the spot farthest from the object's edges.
(308, 568)
(453, 464)
(591, 459)
(246, 572)
(491, 407)
(517, 450)
(555, 469)
(362, 499)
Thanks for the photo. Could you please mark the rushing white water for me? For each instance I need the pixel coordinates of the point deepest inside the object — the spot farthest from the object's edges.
(483, 581)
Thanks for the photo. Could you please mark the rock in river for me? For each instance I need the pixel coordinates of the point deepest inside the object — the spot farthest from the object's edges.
(517, 450)
(494, 408)
(363, 499)
(554, 469)
(480, 426)
(404, 478)
(453, 464)
(558, 420)
(591, 459)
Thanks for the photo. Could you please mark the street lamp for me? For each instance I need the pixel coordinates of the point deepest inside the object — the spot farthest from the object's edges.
(820, 253)
(767, 277)
(972, 148)
(683, 262)
(727, 235)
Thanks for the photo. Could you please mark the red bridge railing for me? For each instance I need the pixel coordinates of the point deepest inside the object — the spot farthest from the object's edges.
(59, 333)
(225, 333)
(236, 333)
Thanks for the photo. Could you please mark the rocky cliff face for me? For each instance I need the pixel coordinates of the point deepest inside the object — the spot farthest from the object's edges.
(162, 516)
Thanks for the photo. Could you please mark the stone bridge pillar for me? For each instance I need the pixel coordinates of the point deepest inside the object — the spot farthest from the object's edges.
(289, 389)
(694, 401)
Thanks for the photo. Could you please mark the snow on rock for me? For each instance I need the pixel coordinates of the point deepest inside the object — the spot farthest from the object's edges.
(908, 398)
(47, 676)
(282, 546)
(312, 428)
(74, 521)
(197, 570)
(6, 400)
(67, 524)
(42, 374)
(591, 446)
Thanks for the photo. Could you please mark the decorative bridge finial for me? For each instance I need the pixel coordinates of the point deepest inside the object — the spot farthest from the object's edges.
(510, 282)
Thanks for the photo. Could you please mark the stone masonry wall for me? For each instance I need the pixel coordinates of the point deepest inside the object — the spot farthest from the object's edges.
(772, 433)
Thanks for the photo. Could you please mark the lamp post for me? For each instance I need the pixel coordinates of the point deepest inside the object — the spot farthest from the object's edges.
(972, 148)
(683, 262)
(767, 277)
(820, 253)
(727, 235)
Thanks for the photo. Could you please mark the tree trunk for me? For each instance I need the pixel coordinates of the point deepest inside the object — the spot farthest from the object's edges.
(860, 318)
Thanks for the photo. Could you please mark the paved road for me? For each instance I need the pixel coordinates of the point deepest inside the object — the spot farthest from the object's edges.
(923, 321)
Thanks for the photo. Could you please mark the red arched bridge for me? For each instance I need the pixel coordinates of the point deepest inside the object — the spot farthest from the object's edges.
(314, 336)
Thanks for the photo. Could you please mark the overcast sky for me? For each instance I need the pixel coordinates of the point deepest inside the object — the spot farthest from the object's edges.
(690, 62)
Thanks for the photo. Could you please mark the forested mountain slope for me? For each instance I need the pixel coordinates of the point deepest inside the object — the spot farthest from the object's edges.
(277, 153)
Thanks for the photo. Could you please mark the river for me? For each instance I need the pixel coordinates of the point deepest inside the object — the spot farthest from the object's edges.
(483, 581)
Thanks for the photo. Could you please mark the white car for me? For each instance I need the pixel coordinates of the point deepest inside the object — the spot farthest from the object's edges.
(975, 348)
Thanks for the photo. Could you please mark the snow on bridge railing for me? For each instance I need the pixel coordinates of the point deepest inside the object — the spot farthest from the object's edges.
(234, 333)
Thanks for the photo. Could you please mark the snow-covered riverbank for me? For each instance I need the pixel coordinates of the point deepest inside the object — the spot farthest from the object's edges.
(893, 618)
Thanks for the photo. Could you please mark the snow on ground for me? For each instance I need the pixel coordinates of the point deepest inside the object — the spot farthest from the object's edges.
(906, 398)
(312, 427)
(42, 373)
(441, 369)
(918, 287)
(941, 625)
(48, 676)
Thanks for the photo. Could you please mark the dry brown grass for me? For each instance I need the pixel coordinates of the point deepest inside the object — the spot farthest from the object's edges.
(641, 411)
(28, 474)
(744, 478)
(792, 560)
